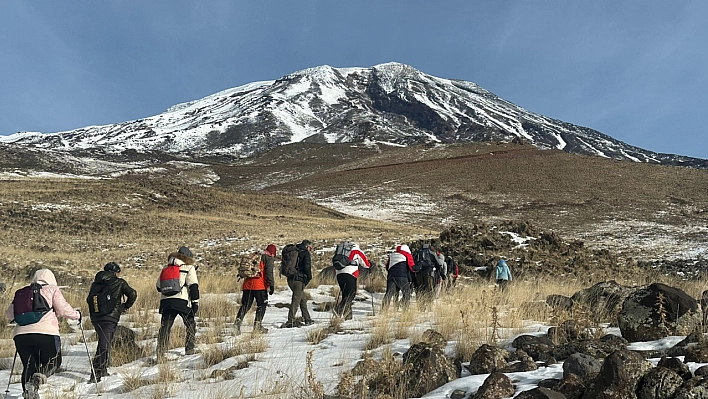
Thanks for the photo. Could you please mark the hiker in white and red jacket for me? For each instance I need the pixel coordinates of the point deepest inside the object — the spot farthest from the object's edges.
(400, 275)
(38, 344)
(185, 303)
(347, 280)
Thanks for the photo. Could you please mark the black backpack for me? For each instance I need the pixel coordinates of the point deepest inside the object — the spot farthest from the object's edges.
(29, 305)
(423, 260)
(340, 260)
(100, 301)
(288, 262)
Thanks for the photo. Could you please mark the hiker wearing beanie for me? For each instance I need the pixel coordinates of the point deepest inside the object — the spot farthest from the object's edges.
(258, 288)
(105, 302)
(297, 284)
(400, 275)
(179, 287)
(38, 343)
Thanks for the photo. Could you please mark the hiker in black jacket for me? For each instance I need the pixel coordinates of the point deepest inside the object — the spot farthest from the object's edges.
(105, 325)
(298, 283)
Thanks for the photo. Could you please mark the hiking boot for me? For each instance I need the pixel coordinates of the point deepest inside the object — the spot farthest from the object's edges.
(258, 328)
(291, 324)
(94, 379)
(237, 324)
(309, 322)
(190, 351)
(32, 386)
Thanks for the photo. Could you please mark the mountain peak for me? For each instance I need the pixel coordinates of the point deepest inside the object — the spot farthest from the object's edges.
(390, 102)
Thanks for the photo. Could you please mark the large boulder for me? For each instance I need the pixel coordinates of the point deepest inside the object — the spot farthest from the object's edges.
(658, 311)
(488, 358)
(675, 364)
(496, 386)
(619, 376)
(538, 348)
(582, 365)
(540, 393)
(659, 383)
(604, 300)
(429, 368)
(597, 348)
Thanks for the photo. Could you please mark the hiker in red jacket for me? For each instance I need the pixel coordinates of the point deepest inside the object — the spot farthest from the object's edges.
(258, 288)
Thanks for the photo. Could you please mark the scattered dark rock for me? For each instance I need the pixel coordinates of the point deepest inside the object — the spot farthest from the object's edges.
(496, 386)
(695, 388)
(487, 359)
(701, 371)
(549, 383)
(582, 365)
(603, 300)
(572, 386)
(124, 349)
(458, 394)
(434, 338)
(537, 347)
(430, 368)
(540, 393)
(619, 376)
(644, 317)
(695, 338)
(659, 383)
(675, 364)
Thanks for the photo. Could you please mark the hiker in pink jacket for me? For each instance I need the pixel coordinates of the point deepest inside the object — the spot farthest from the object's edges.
(38, 344)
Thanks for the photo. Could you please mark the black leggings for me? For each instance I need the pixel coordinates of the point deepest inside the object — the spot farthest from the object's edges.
(347, 285)
(261, 297)
(39, 353)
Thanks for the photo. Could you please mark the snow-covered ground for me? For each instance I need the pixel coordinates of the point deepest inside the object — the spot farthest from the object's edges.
(277, 372)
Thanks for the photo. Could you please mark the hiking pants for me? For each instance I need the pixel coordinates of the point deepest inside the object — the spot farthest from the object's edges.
(261, 297)
(425, 288)
(39, 353)
(168, 319)
(393, 286)
(347, 286)
(104, 331)
(502, 284)
(299, 300)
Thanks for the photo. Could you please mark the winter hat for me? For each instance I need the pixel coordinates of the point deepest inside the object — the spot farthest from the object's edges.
(306, 243)
(185, 251)
(112, 267)
(271, 249)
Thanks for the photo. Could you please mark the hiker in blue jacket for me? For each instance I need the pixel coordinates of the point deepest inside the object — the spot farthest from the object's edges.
(502, 274)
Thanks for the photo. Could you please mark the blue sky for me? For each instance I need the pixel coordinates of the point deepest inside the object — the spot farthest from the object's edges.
(637, 71)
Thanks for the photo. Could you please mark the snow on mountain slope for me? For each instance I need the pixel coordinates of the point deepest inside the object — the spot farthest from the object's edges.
(389, 102)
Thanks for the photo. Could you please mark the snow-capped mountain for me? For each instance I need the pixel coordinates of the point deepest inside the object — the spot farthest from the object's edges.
(389, 103)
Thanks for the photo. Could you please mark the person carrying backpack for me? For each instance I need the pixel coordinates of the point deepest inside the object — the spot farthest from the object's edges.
(105, 302)
(258, 288)
(426, 274)
(440, 273)
(297, 282)
(502, 274)
(400, 268)
(453, 271)
(347, 260)
(38, 344)
(183, 302)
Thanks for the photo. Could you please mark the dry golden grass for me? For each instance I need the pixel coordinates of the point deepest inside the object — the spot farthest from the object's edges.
(216, 354)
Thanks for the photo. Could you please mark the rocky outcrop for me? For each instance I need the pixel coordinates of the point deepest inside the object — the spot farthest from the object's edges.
(603, 300)
(659, 383)
(658, 311)
(429, 368)
(496, 386)
(619, 376)
(487, 359)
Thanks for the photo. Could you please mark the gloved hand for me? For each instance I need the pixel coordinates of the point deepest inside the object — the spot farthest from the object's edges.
(195, 307)
(79, 311)
(271, 290)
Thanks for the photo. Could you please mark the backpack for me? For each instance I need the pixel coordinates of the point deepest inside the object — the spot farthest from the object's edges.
(169, 280)
(29, 306)
(452, 268)
(423, 260)
(340, 260)
(288, 263)
(100, 301)
(250, 265)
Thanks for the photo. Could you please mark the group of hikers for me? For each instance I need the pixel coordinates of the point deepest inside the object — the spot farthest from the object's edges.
(35, 309)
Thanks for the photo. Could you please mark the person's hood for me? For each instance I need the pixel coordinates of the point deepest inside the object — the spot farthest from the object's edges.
(184, 258)
(301, 247)
(403, 248)
(502, 262)
(104, 277)
(44, 276)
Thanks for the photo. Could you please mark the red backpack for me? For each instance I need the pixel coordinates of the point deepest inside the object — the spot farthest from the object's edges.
(169, 280)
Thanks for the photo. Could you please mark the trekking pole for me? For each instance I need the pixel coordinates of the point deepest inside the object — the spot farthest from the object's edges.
(93, 371)
(7, 390)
